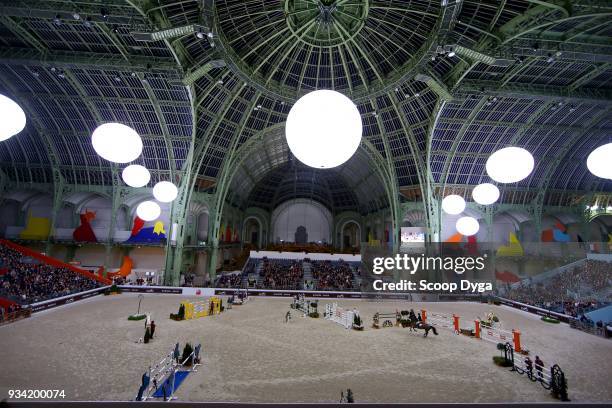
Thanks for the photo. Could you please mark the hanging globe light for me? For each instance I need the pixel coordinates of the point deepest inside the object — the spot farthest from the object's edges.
(148, 211)
(485, 193)
(599, 161)
(453, 204)
(467, 226)
(13, 118)
(509, 165)
(165, 192)
(116, 142)
(323, 129)
(136, 175)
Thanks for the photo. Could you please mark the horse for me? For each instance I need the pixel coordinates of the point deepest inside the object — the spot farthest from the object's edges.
(414, 324)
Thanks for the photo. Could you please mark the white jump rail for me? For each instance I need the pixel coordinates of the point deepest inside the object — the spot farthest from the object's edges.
(166, 369)
(339, 315)
(450, 322)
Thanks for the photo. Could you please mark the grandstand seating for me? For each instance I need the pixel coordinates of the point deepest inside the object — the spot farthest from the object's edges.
(281, 274)
(332, 275)
(26, 280)
(574, 291)
(229, 280)
(295, 275)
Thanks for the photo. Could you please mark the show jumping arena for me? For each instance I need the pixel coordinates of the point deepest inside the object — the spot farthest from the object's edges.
(249, 354)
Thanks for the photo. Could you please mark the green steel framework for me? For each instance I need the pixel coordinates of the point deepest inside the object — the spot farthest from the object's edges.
(172, 23)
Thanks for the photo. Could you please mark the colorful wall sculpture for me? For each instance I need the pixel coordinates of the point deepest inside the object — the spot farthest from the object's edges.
(84, 232)
(514, 247)
(141, 234)
(37, 228)
(124, 270)
(558, 233)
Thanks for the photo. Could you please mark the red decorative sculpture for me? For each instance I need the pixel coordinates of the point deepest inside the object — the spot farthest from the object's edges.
(84, 232)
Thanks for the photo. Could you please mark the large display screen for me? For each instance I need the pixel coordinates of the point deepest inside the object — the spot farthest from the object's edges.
(412, 235)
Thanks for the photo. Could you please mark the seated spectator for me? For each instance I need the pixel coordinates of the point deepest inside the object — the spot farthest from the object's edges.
(332, 275)
(229, 281)
(573, 292)
(31, 282)
(281, 274)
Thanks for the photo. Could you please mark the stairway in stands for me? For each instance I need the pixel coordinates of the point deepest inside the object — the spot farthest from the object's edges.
(307, 274)
(356, 279)
(258, 272)
(254, 275)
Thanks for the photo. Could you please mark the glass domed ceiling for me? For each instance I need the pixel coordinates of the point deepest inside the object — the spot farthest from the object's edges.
(325, 23)
(354, 46)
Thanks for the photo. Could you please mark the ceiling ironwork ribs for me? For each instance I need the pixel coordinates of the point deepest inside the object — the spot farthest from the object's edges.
(440, 85)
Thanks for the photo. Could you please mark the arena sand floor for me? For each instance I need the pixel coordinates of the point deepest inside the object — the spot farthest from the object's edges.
(90, 350)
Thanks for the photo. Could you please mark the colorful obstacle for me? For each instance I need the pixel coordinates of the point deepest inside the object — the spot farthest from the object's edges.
(388, 319)
(450, 322)
(308, 308)
(195, 310)
(162, 379)
(552, 378)
(300, 303)
(343, 317)
(483, 329)
(239, 298)
(498, 335)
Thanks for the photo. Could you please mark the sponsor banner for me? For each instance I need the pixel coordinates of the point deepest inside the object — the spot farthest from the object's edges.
(421, 297)
(38, 307)
(153, 289)
(206, 292)
(536, 310)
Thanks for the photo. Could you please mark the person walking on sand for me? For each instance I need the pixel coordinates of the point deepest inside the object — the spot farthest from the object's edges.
(288, 316)
(152, 328)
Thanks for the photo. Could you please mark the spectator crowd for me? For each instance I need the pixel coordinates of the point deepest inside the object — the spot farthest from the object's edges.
(232, 280)
(281, 274)
(573, 292)
(29, 282)
(332, 275)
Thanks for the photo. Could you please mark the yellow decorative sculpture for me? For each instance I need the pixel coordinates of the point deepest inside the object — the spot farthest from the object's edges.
(36, 228)
(513, 248)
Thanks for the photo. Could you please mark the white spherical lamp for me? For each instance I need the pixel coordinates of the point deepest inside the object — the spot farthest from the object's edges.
(13, 118)
(509, 165)
(323, 129)
(148, 211)
(165, 191)
(485, 193)
(599, 161)
(116, 142)
(467, 226)
(453, 204)
(136, 175)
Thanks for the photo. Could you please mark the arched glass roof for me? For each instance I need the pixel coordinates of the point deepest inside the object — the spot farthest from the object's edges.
(440, 85)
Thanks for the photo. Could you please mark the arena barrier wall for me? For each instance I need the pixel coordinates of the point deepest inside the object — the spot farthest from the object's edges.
(207, 292)
(535, 310)
(64, 300)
